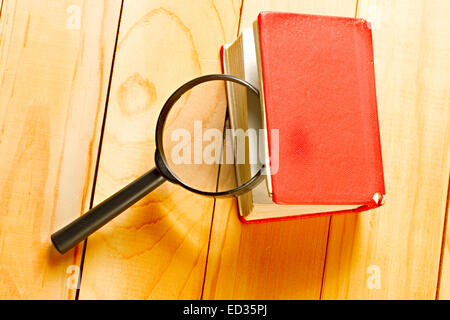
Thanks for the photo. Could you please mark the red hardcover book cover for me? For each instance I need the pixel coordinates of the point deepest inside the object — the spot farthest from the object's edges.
(319, 91)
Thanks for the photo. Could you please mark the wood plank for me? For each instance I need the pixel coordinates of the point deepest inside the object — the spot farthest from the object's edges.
(55, 62)
(277, 260)
(393, 253)
(157, 249)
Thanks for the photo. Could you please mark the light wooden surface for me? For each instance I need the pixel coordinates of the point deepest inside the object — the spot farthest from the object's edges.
(55, 68)
(55, 61)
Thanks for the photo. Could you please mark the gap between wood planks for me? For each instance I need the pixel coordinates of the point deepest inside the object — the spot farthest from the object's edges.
(214, 207)
(94, 183)
(1, 7)
(444, 239)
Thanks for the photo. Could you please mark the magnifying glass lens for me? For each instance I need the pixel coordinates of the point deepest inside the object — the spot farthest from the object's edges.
(199, 143)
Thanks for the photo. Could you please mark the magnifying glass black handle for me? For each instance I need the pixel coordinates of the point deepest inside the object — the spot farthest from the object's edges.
(77, 231)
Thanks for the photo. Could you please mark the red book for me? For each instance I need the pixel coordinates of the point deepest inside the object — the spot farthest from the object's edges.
(317, 83)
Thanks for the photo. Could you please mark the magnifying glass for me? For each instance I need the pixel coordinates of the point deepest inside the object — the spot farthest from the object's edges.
(190, 149)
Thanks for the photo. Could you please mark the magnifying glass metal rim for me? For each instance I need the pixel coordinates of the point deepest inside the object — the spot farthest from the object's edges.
(160, 159)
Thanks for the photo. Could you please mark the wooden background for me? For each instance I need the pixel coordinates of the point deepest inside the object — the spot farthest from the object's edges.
(81, 85)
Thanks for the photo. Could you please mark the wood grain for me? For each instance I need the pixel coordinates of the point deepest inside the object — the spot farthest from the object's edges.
(394, 252)
(55, 66)
(279, 260)
(157, 249)
(55, 61)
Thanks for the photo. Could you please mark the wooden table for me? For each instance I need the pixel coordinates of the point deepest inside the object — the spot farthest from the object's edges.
(81, 85)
